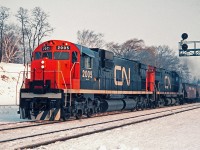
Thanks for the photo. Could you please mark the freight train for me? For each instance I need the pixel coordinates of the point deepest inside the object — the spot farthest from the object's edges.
(70, 80)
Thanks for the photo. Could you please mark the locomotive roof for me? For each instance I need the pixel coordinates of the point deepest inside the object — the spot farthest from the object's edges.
(85, 50)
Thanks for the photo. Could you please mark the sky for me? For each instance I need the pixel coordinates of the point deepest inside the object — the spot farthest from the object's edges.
(157, 22)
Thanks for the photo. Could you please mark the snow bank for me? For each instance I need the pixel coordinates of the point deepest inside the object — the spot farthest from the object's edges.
(180, 131)
(9, 74)
(9, 114)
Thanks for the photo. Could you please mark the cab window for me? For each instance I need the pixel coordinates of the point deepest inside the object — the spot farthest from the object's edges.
(166, 82)
(88, 62)
(74, 57)
(47, 55)
(61, 55)
(37, 55)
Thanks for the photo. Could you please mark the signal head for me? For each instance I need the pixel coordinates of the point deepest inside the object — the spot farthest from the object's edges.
(184, 36)
(184, 47)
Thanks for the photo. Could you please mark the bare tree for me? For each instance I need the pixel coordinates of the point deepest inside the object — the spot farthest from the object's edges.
(166, 58)
(185, 73)
(116, 48)
(194, 80)
(147, 55)
(4, 14)
(40, 26)
(35, 27)
(90, 38)
(135, 49)
(22, 16)
(128, 49)
(11, 44)
(29, 35)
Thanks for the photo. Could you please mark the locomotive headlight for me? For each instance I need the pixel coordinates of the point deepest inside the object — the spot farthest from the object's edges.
(42, 66)
(42, 62)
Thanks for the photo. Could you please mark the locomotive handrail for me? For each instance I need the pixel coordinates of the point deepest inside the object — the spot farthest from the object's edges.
(70, 98)
(26, 72)
(18, 83)
(63, 79)
(44, 71)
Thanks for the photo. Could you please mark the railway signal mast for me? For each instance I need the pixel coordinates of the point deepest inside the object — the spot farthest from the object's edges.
(188, 48)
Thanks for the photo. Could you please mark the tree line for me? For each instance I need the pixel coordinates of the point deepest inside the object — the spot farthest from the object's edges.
(161, 56)
(18, 40)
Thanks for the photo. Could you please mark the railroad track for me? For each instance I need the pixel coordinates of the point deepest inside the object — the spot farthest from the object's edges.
(27, 124)
(10, 123)
(93, 128)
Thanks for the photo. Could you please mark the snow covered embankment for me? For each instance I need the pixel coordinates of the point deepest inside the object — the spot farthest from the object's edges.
(9, 74)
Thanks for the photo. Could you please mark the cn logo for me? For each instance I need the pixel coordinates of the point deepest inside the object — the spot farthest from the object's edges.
(124, 75)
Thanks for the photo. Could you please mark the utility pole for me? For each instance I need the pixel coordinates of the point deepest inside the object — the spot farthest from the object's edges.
(188, 48)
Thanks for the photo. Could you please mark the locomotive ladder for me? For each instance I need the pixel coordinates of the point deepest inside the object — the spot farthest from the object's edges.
(70, 97)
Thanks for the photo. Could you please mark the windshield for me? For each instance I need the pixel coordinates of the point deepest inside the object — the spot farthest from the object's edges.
(37, 55)
(47, 55)
(61, 55)
(57, 55)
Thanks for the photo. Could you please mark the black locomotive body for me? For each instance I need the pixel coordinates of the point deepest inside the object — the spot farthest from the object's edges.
(103, 71)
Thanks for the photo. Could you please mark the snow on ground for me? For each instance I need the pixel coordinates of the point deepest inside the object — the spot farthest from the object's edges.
(9, 114)
(9, 74)
(177, 132)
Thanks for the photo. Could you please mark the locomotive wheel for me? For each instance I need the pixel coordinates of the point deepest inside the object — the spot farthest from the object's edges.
(152, 104)
(161, 103)
(90, 113)
(143, 103)
(181, 101)
(65, 114)
(66, 117)
(138, 104)
(133, 109)
(177, 102)
(142, 106)
(79, 114)
(137, 107)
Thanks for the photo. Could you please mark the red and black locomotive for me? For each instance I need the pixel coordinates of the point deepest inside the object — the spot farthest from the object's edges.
(69, 80)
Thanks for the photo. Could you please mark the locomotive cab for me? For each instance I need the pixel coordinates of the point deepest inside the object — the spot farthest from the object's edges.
(55, 66)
